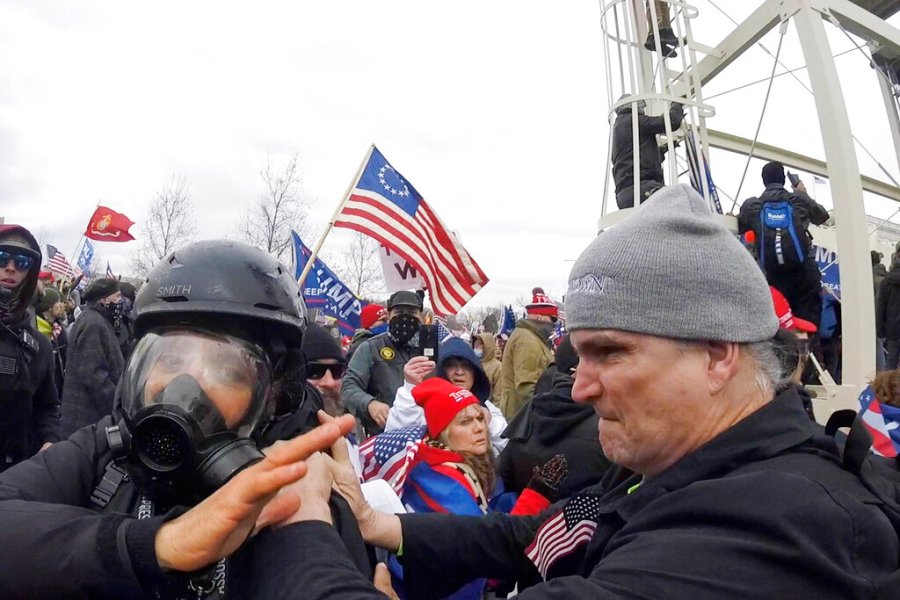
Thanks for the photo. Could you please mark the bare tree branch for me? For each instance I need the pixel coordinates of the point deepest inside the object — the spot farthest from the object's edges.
(268, 222)
(360, 267)
(170, 224)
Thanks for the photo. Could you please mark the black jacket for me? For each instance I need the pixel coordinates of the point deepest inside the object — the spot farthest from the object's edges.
(550, 424)
(764, 510)
(29, 405)
(651, 156)
(805, 208)
(887, 313)
(54, 543)
(94, 364)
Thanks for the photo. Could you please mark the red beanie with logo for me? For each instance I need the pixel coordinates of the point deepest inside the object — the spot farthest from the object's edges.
(441, 401)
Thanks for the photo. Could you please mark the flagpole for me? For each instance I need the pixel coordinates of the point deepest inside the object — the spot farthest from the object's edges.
(330, 226)
(74, 265)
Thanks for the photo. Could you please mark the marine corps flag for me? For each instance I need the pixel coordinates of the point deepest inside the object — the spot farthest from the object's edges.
(107, 225)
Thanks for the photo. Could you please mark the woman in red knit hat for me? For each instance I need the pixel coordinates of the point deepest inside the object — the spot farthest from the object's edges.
(457, 448)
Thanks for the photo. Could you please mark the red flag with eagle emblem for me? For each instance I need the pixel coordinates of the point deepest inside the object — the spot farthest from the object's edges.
(107, 225)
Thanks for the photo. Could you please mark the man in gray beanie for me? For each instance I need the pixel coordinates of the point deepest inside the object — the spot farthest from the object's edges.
(720, 489)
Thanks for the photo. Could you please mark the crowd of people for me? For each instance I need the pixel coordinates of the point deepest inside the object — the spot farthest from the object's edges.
(202, 437)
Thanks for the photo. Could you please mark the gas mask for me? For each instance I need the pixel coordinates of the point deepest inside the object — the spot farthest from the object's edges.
(190, 401)
(403, 328)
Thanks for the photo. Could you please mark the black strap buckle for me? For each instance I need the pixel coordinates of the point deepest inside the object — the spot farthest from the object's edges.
(113, 477)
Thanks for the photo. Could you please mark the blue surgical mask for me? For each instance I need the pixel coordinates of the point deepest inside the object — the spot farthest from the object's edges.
(379, 329)
(479, 352)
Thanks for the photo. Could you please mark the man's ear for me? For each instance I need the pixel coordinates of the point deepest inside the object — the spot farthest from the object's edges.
(722, 365)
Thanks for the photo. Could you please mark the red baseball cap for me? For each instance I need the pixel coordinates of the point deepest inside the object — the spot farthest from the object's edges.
(786, 318)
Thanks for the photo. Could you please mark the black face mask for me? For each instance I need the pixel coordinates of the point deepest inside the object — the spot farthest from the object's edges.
(170, 453)
(403, 328)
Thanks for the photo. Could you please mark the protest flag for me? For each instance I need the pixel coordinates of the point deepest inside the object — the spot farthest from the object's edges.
(107, 225)
(384, 205)
(57, 262)
(323, 290)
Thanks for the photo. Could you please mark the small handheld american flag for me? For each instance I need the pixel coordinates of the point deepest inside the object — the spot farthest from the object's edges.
(571, 527)
(388, 455)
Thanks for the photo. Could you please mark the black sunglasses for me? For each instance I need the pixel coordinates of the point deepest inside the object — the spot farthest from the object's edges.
(22, 262)
(318, 370)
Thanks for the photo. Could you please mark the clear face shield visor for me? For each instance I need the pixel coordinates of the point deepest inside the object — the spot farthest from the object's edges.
(220, 382)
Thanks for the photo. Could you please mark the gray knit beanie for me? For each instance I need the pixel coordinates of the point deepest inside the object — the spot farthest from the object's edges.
(671, 270)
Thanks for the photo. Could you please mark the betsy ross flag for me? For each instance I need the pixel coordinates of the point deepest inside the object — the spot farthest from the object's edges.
(107, 225)
(883, 423)
(570, 528)
(57, 262)
(385, 206)
(389, 455)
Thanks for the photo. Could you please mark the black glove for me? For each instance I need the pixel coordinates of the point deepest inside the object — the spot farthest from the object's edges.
(547, 478)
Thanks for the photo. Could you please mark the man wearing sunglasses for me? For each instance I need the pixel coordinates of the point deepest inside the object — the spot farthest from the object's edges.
(29, 405)
(325, 366)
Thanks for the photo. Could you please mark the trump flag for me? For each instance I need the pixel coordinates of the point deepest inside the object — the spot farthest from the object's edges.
(384, 205)
(325, 291)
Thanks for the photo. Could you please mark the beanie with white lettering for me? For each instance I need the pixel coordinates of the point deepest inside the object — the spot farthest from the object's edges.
(671, 269)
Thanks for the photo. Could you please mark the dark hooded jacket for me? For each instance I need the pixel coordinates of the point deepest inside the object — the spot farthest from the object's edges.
(456, 347)
(29, 404)
(550, 424)
(806, 210)
(887, 313)
(763, 510)
(107, 552)
(94, 366)
(651, 156)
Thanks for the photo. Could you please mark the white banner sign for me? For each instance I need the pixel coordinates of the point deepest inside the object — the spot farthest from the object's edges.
(398, 273)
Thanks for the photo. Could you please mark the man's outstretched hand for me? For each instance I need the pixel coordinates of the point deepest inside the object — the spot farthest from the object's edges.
(220, 524)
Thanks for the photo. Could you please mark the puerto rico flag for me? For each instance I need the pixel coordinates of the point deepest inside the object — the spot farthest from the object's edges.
(883, 423)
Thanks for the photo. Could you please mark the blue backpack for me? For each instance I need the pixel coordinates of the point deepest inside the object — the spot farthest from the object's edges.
(781, 247)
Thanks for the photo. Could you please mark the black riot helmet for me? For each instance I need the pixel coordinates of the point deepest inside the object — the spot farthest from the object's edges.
(223, 281)
(216, 322)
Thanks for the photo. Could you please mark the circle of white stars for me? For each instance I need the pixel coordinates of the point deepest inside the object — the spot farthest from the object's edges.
(381, 179)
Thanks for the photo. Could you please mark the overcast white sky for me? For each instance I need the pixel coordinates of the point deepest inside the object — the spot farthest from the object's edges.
(496, 111)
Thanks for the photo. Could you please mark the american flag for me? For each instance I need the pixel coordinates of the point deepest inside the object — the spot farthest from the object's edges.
(388, 455)
(109, 272)
(57, 261)
(882, 421)
(561, 535)
(385, 206)
(442, 331)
